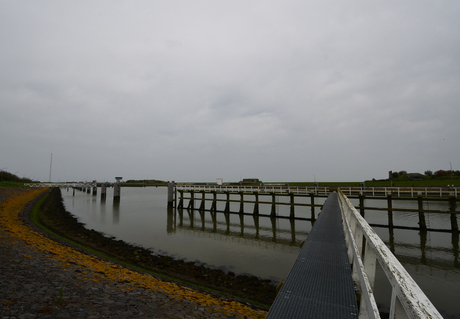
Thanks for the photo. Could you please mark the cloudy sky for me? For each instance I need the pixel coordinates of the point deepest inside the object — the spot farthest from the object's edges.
(196, 90)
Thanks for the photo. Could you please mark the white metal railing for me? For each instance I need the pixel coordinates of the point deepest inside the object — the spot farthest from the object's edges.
(350, 191)
(407, 299)
(252, 189)
(447, 191)
(61, 184)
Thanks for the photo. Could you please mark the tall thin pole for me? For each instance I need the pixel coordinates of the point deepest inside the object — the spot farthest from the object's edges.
(51, 164)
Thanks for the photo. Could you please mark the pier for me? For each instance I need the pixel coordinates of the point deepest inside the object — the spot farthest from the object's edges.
(207, 198)
(341, 253)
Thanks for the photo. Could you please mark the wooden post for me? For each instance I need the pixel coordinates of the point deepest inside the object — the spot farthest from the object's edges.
(116, 192)
(181, 200)
(256, 204)
(73, 194)
(241, 202)
(273, 212)
(390, 211)
(312, 202)
(421, 214)
(170, 194)
(94, 189)
(227, 204)
(202, 205)
(292, 231)
(453, 216)
(214, 202)
(191, 204)
(273, 221)
(242, 225)
(361, 204)
(227, 221)
(292, 214)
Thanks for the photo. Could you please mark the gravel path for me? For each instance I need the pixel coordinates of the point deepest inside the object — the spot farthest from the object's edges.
(41, 278)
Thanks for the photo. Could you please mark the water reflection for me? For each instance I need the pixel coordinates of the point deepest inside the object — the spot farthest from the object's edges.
(209, 222)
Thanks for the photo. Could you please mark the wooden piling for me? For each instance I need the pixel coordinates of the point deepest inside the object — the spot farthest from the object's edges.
(191, 203)
(241, 202)
(203, 199)
(453, 216)
(273, 211)
(361, 204)
(181, 199)
(214, 202)
(94, 189)
(312, 202)
(390, 211)
(170, 194)
(421, 214)
(227, 203)
(256, 204)
(292, 210)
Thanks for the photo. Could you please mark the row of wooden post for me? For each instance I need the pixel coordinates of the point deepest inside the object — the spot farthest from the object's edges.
(191, 204)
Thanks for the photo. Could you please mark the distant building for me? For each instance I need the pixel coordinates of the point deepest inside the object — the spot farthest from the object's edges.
(250, 181)
(415, 176)
(219, 181)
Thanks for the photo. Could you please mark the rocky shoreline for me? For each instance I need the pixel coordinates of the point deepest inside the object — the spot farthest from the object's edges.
(54, 216)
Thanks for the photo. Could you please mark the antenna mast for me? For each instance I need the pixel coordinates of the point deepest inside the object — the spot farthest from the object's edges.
(51, 164)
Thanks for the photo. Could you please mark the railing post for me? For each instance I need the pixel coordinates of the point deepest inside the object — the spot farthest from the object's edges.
(396, 308)
(370, 263)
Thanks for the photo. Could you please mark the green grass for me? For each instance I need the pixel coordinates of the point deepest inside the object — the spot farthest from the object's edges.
(12, 184)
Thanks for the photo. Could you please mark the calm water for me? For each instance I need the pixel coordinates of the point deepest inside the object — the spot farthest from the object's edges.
(265, 247)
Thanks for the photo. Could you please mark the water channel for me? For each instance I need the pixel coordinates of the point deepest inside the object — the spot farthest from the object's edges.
(265, 247)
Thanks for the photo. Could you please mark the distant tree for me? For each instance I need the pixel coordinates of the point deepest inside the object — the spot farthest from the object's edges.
(457, 173)
(428, 173)
(402, 173)
(442, 173)
(395, 174)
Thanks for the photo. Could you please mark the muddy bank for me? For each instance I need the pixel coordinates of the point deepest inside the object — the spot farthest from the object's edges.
(54, 216)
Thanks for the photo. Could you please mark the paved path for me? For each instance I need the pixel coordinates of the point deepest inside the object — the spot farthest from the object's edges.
(40, 278)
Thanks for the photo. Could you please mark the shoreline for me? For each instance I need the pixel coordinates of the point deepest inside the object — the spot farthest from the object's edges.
(249, 289)
(42, 278)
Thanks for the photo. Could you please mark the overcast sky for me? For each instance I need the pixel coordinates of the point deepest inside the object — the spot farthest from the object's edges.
(199, 90)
